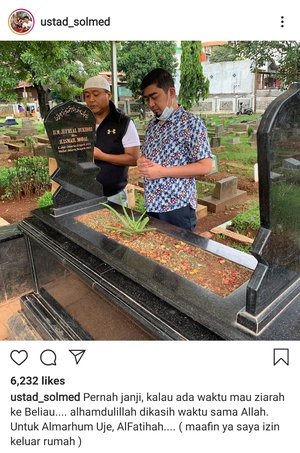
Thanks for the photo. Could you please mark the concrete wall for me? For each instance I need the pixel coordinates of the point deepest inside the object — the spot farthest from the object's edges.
(8, 109)
(229, 77)
(232, 82)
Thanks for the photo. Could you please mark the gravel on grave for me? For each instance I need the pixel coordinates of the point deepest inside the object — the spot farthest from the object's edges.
(210, 271)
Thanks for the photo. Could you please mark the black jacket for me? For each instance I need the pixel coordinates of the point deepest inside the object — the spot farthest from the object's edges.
(109, 139)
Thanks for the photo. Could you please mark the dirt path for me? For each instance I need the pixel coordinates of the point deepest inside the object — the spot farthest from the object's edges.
(16, 210)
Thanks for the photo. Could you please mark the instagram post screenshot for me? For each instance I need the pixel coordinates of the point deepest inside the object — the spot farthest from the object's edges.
(149, 227)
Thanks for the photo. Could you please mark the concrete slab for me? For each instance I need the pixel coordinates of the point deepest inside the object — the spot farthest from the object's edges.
(3, 222)
(201, 211)
(215, 205)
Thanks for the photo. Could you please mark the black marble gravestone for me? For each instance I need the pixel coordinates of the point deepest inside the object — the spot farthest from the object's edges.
(276, 281)
(71, 130)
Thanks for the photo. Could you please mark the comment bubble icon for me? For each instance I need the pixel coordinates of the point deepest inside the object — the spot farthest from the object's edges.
(48, 357)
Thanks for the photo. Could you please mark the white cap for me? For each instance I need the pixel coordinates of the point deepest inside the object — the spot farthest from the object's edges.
(97, 82)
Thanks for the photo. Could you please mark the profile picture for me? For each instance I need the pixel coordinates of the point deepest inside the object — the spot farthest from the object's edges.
(21, 21)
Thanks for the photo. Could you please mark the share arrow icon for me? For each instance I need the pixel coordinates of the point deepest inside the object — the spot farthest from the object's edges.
(78, 354)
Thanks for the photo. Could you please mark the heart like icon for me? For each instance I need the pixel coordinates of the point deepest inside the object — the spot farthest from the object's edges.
(19, 357)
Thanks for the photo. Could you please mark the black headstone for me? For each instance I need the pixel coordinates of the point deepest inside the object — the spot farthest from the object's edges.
(276, 280)
(71, 130)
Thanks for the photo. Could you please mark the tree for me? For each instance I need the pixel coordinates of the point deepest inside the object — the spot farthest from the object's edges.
(260, 52)
(54, 65)
(193, 84)
(137, 58)
(289, 63)
(223, 53)
(286, 54)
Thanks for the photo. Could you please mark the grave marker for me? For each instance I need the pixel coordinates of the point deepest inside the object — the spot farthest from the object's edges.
(27, 129)
(276, 281)
(71, 129)
(225, 193)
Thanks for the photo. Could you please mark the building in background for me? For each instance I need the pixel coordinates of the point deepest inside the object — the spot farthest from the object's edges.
(233, 82)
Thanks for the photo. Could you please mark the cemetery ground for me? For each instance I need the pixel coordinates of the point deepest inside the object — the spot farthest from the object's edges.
(236, 156)
(18, 209)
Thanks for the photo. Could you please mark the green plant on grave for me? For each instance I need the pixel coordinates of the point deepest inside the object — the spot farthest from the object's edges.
(130, 225)
(30, 141)
(250, 131)
(247, 219)
(45, 200)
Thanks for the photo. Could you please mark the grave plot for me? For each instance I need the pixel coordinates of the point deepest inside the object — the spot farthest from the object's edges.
(186, 260)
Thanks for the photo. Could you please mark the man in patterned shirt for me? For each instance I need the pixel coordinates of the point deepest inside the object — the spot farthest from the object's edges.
(176, 149)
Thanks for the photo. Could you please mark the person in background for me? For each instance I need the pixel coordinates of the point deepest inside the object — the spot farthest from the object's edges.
(117, 143)
(176, 149)
(26, 23)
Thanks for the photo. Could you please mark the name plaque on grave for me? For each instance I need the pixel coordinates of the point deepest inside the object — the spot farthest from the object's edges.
(73, 139)
(71, 129)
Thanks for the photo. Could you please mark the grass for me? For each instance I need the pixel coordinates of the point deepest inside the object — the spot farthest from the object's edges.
(227, 120)
(241, 153)
(7, 131)
(245, 157)
(204, 188)
(248, 219)
(40, 128)
(235, 245)
(246, 172)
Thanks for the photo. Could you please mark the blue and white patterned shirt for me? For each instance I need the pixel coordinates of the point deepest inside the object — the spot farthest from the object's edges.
(180, 140)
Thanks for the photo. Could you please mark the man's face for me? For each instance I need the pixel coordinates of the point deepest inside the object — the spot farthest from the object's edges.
(97, 100)
(157, 99)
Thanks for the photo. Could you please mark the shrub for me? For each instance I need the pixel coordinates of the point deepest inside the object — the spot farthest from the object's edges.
(4, 172)
(30, 141)
(12, 185)
(45, 200)
(30, 176)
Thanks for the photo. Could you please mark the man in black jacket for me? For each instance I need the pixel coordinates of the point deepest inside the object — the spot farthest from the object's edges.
(117, 143)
